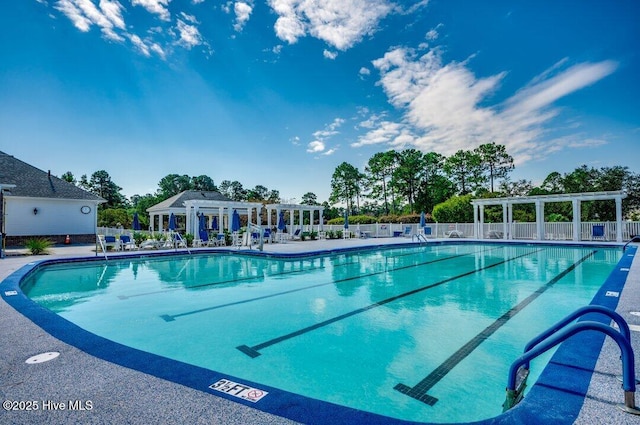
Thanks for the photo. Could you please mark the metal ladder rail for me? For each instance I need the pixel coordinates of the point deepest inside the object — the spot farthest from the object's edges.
(103, 246)
(179, 237)
(420, 237)
(254, 227)
(622, 325)
(633, 239)
(514, 392)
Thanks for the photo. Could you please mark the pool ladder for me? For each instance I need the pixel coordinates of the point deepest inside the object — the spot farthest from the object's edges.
(519, 370)
(633, 239)
(420, 237)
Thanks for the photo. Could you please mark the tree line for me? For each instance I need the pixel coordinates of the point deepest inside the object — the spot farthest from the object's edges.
(118, 210)
(409, 181)
(399, 183)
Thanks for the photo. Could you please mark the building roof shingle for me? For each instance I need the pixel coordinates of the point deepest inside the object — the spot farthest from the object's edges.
(34, 183)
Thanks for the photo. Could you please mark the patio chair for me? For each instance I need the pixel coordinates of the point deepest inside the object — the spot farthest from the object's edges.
(127, 243)
(179, 241)
(407, 232)
(110, 241)
(296, 234)
(427, 231)
(203, 240)
(597, 232)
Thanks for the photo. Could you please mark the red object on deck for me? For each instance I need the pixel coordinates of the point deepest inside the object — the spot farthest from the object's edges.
(67, 240)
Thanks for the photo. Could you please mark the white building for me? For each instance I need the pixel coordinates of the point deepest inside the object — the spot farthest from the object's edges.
(33, 203)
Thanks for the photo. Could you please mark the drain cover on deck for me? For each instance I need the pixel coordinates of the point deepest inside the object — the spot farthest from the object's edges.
(41, 358)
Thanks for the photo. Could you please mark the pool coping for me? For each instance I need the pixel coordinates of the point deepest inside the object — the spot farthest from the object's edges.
(557, 395)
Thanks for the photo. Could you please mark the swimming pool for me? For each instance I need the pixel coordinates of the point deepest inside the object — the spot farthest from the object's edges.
(408, 332)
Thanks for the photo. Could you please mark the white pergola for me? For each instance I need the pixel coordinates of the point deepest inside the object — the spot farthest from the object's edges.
(210, 208)
(539, 201)
(221, 209)
(292, 208)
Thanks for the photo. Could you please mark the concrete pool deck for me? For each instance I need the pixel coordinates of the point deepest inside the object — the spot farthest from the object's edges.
(121, 395)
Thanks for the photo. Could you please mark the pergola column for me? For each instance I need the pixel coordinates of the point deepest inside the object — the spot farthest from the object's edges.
(475, 221)
(505, 221)
(576, 220)
(510, 220)
(320, 221)
(481, 229)
(540, 220)
(619, 219)
(291, 211)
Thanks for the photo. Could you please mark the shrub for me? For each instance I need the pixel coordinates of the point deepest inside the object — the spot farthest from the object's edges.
(457, 209)
(139, 237)
(354, 219)
(38, 246)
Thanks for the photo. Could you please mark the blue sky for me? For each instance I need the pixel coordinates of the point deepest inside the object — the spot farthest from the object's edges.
(280, 92)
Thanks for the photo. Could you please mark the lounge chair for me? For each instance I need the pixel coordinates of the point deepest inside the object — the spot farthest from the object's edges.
(408, 232)
(426, 231)
(127, 243)
(296, 234)
(454, 234)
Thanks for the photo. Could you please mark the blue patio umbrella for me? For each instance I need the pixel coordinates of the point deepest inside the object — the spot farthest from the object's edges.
(202, 225)
(422, 220)
(235, 221)
(346, 220)
(172, 222)
(281, 225)
(136, 222)
(214, 223)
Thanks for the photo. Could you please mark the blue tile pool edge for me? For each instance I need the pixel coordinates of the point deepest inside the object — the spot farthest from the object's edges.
(548, 400)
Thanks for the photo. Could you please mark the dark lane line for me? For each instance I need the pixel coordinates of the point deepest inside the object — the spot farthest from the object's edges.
(254, 351)
(171, 317)
(419, 391)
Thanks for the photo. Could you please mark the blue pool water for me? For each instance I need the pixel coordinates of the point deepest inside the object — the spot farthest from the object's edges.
(411, 333)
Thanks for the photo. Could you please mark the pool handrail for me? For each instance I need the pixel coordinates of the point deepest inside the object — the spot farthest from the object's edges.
(633, 239)
(628, 365)
(622, 325)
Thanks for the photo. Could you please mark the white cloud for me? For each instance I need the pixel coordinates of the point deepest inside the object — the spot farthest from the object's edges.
(77, 17)
(445, 106)
(84, 13)
(433, 33)
(189, 35)
(339, 23)
(315, 146)
(158, 7)
(329, 54)
(364, 71)
(321, 137)
(243, 12)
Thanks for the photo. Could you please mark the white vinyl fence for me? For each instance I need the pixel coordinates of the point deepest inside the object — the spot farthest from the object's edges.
(552, 231)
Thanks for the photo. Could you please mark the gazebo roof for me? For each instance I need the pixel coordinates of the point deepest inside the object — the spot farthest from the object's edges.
(177, 201)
